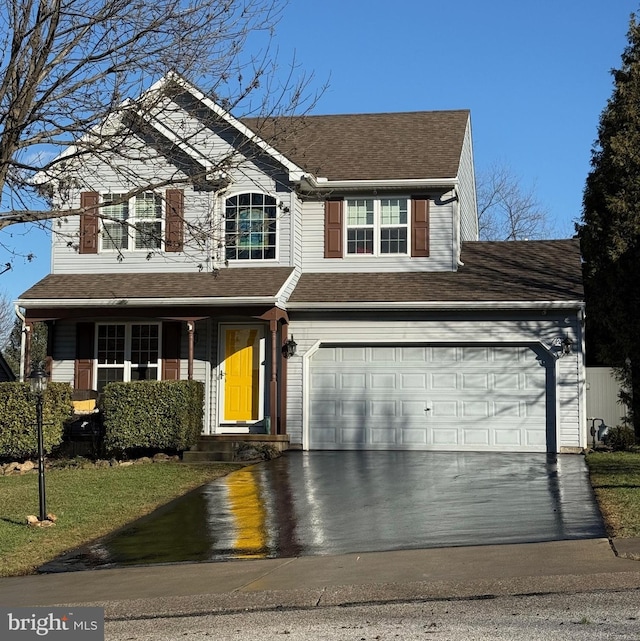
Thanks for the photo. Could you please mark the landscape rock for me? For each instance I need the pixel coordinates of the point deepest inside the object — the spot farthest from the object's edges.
(27, 466)
(160, 458)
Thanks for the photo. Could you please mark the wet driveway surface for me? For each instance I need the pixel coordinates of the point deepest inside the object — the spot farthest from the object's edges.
(320, 503)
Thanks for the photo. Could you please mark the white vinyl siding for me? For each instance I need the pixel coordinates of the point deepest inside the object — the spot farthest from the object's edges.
(441, 242)
(467, 190)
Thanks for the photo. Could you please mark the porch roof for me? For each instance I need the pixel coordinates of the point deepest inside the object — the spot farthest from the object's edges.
(506, 274)
(243, 285)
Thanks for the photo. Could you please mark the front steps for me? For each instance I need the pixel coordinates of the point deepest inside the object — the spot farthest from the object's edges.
(223, 447)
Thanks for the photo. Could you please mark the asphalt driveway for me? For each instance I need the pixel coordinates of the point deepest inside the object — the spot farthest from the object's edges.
(319, 503)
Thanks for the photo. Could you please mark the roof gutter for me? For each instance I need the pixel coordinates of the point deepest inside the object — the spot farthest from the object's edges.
(312, 183)
(438, 305)
(208, 301)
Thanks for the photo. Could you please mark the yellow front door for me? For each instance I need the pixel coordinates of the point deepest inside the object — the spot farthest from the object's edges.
(241, 373)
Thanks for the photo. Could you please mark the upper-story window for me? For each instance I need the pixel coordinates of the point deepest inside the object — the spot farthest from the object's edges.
(250, 227)
(377, 225)
(132, 224)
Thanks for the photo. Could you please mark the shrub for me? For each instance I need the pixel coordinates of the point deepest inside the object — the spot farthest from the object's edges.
(152, 415)
(619, 438)
(18, 423)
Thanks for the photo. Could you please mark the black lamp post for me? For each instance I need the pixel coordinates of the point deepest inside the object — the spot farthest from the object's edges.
(38, 381)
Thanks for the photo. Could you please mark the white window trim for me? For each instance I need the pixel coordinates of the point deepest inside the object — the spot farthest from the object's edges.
(223, 219)
(131, 221)
(377, 226)
(127, 365)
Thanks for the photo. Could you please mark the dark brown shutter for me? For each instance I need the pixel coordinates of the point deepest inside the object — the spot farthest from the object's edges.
(170, 351)
(333, 229)
(174, 225)
(83, 375)
(89, 222)
(419, 227)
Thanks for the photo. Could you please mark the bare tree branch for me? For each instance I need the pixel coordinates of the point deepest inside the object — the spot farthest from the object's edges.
(70, 68)
(506, 210)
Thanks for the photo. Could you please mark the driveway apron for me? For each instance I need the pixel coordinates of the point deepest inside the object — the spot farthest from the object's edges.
(317, 503)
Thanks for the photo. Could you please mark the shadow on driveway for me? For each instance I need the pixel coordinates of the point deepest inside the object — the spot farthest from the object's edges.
(318, 503)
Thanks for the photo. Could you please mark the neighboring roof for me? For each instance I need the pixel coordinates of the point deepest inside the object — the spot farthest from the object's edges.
(6, 374)
(518, 271)
(410, 145)
(262, 282)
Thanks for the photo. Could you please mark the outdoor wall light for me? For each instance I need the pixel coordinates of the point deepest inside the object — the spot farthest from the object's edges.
(38, 383)
(566, 346)
(289, 348)
(563, 345)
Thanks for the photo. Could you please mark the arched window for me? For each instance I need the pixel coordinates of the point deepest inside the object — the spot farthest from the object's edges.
(250, 227)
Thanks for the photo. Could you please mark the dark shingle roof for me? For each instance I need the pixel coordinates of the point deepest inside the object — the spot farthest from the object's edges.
(519, 271)
(424, 144)
(236, 282)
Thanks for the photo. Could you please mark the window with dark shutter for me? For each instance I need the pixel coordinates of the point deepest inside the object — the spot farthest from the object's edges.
(174, 225)
(419, 227)
(89, 223)
(333, 228)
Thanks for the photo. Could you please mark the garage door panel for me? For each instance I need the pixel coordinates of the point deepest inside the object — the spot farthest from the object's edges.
(442, 354)
(353, 381)
(444, 409)
(507, 409)
(476, 437)
(410, 436)
(427, 397)
(475, 381)
(475, 355)
(445, 437)
(507, 438)
(383, 409)
(413, 354)
(413, 381)
(413, 409)
(476, 409)
(442, 381)
(383, 381)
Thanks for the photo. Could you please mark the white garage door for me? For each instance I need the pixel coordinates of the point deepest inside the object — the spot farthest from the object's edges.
(427, 397)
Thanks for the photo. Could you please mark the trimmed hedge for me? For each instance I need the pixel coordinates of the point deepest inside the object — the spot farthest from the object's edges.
(152, 415)
(18, 423)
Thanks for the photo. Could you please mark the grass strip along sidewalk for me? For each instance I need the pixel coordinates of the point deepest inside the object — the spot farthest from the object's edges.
(89, 503)
(615, 477)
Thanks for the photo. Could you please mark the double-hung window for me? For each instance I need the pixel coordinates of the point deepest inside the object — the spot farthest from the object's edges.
(127, 352)
(250, 227)
(131, 224)
(377, 226)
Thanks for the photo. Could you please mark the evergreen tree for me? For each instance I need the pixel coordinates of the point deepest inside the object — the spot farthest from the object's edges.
(12, 348)
(610, 228)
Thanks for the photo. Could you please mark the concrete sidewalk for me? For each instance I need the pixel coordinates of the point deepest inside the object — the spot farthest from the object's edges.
(311, 581)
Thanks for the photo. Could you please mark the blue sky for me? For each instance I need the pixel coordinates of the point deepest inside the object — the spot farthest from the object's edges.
(535, 76)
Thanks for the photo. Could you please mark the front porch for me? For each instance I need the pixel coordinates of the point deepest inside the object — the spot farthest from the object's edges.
(225, 447)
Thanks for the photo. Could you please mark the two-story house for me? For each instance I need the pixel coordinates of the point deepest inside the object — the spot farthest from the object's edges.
(328, 286)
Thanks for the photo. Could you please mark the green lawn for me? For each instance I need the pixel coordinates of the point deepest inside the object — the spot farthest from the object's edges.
(615, 478)
(88, 503)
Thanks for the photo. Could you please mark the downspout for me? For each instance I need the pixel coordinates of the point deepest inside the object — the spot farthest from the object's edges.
(457, 234)
(23, 346)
